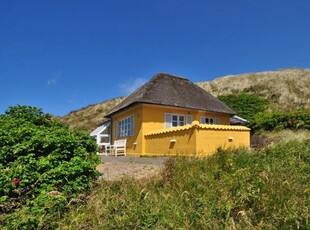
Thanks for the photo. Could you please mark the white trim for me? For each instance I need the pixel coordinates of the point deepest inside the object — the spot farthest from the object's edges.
(189, 119)
(125, 127)
(207, 120)
(202, 119)
(100, 129)
(168, 120)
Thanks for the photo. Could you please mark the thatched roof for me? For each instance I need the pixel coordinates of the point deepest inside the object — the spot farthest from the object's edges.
(168, 90)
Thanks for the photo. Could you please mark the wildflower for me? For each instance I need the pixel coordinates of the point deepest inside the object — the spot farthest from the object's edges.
(16, 181)
(53, 193)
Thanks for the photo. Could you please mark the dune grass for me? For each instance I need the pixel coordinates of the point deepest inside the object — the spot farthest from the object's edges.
(287, 89)
(233, 189)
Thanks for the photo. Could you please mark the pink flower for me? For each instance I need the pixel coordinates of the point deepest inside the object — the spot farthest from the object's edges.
(16, 181)
(53, 193)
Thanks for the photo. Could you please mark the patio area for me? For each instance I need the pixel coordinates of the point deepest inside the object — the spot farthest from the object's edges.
(116, 168)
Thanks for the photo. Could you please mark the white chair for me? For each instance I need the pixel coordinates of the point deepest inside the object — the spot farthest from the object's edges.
(119, 147)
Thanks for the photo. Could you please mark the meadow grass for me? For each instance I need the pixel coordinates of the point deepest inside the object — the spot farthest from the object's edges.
(233, 189)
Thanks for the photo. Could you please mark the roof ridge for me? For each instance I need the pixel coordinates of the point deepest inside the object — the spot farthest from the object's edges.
(170, 75)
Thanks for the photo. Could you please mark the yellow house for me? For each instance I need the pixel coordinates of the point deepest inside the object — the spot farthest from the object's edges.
(170, 115)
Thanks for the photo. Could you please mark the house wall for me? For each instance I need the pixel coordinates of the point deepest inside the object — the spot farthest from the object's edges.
(196, 141)
(149, 118)
(181, 143)
(208, 141)
(134, 143)
(154, 116)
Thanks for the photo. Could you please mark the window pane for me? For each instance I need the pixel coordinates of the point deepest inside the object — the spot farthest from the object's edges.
(175, 118)
(181, 118)
(126, 127)
(211, 120)
(174, 124)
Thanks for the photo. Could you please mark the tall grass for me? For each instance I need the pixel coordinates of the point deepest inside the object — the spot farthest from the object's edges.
(90, 117)
(233, 189)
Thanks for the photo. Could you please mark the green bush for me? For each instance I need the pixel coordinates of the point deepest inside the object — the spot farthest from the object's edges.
(245, 105)
(43, 165)
(279, 120)
(233, 189)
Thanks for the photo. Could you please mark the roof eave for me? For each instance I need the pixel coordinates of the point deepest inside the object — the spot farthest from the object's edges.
(110, 115)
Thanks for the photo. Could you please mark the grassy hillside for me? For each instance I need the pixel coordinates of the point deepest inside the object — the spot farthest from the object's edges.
(233, 189)
(288, 88)
(88, 118)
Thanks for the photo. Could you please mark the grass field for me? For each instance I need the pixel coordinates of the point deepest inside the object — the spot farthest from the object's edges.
(233, 189)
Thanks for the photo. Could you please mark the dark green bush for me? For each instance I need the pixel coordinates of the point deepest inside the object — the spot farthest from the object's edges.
(246, 105)
(279, 120)
(43, 165)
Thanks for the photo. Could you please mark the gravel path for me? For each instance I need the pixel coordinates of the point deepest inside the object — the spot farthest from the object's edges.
(115, 168)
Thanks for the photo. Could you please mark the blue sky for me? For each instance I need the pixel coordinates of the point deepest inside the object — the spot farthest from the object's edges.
(62, 55)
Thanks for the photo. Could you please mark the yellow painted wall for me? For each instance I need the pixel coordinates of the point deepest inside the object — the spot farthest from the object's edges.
(209, 140)
(154, 116)
(138, 131)
(160, 144)
(149, 118)
(195, 141)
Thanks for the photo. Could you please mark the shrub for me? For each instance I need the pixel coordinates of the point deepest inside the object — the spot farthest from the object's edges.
(245, 105)
(43, 165)
(279, 120)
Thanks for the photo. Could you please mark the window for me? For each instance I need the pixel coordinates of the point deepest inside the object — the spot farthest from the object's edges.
(209, 120)
(124, 127)
(177, 120)
(174, 120)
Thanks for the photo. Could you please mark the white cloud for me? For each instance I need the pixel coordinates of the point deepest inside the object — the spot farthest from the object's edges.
(51, 82)
(131, 85)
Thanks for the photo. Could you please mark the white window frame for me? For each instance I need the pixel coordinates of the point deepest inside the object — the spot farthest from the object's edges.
(209, 120)
(179, 119)
(124, 127)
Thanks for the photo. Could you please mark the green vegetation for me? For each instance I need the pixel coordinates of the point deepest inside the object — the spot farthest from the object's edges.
(233, 189)
(245, 105)
(43, 165)
(262, 118)
(279, 120)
